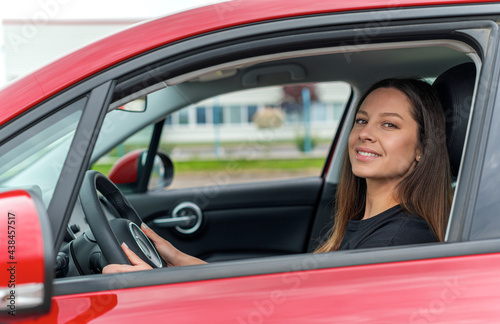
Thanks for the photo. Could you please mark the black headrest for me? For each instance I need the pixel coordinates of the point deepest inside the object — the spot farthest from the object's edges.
(455, 89)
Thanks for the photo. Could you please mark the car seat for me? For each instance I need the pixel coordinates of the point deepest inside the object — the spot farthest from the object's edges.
(455, 88)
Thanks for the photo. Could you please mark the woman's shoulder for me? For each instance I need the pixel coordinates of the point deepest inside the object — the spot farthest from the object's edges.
(410, 229)
(392, 227)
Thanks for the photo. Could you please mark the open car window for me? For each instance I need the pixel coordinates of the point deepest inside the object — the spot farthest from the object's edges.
(262, 134)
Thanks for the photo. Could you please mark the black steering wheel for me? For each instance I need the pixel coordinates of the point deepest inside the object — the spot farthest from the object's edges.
(110, 234)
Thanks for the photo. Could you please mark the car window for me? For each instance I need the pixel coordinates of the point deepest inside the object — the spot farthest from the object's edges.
(34, 159)
(269, 133)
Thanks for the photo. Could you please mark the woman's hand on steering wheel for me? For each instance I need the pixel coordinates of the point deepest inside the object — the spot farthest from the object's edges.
(172, 256)
(137, 263)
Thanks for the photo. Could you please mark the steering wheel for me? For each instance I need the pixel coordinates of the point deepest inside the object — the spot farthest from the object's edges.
(109, 234)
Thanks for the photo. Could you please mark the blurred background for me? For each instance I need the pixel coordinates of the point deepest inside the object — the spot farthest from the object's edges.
(35, 32)
(272, 133)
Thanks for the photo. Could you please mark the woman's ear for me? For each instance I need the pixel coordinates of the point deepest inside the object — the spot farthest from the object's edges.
(418, 155)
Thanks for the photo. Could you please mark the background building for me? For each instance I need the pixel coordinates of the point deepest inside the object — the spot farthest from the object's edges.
(28, 45)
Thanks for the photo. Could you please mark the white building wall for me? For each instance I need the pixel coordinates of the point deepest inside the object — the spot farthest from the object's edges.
(29, 46)
(332, 97)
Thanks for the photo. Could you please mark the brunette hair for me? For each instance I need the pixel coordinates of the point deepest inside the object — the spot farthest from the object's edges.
(426, 190)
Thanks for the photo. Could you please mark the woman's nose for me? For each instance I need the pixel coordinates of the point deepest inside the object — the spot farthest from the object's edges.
(367, 134)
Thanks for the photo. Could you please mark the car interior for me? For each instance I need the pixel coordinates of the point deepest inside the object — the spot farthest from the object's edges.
(266, 219)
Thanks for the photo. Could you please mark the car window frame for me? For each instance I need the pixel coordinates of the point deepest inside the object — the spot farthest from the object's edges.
(480, 149)
(64, 197)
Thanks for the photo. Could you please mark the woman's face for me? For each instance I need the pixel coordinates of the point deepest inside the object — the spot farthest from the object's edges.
(383, 144)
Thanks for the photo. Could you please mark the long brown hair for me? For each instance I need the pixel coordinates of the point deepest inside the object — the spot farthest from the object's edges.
(426, 191)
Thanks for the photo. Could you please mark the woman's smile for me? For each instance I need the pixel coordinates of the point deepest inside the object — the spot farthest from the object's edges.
(365, 154)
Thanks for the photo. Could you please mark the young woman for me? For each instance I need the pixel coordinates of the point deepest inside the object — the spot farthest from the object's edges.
(395, 187)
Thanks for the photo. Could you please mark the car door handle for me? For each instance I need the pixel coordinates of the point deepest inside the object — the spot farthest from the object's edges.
(186, 218)
(182, 221)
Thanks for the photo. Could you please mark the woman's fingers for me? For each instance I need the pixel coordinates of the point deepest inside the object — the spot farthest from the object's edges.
(157, 239)
(168, 252)
(116, 268)
(133, 258)
(137, 263)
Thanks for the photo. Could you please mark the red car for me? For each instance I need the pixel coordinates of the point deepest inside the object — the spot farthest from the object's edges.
(55, 123)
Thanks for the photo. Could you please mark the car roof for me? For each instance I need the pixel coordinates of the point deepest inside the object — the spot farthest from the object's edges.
(36, 87)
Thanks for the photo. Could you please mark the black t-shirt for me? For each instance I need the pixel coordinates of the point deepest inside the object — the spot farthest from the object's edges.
(389, 228)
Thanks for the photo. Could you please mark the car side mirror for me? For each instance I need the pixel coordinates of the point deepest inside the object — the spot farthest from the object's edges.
(27, 256)
(126, 171)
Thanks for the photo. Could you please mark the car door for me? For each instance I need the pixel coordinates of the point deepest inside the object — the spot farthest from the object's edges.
(240, 221)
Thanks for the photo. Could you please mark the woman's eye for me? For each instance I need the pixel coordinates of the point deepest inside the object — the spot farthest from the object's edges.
(360, 121)
(389, 125)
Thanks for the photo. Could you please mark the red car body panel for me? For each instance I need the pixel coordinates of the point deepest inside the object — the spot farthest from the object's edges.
(65, 72)
(448, 290)
(20, 235)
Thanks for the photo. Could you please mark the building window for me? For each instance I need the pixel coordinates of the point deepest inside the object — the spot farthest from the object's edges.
(235, 114)
(201, 115)
(184, 117)
(218, 115)
(338, 110)
(251, 110)
(319, 112)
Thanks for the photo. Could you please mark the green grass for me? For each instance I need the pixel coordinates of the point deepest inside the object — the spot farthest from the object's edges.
(215, 165)
(103, 168)
(168, 147)
(243, 165)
